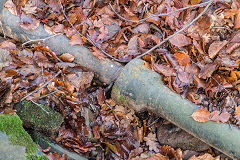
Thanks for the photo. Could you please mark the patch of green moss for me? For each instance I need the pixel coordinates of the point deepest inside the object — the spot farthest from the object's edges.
(40, 117)
(37, 157)
(116, 93)
(12, 126)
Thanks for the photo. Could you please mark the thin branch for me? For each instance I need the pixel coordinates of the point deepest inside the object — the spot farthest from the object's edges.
(161, 14)
(185, 27)
(43, 39)
(88, 38)
(39, 106)
(45, 84)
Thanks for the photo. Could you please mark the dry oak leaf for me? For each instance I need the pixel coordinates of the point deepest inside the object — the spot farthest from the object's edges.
(66, 57)
(201, 115)
(180, 40)
(215, 47)
(151, 142)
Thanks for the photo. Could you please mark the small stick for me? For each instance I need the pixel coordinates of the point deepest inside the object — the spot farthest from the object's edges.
(171, 36)
(43, 39)
(112, 111)
(45, 84)
(158, 15)
(39, 106)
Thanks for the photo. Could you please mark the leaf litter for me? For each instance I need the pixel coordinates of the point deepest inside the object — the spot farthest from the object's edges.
(201, 64)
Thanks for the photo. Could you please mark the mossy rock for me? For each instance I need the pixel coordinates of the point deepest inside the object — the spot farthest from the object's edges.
(39, 117)
(15, 142)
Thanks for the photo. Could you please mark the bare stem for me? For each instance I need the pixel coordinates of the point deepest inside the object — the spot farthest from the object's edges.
(45, 84)
(161, 14)
(43, 39)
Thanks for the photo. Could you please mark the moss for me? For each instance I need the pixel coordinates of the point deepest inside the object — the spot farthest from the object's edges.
(12, 126)
(116, 93)
(40, 117)
(37, 157)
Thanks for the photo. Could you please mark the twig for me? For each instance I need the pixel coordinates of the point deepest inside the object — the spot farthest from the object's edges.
(158, 15)
(112, 111)
(88, 37)
(43, 39)
(39, 106)
(185, 27)
(45, 84)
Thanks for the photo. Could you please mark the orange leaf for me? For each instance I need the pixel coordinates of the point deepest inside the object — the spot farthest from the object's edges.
(182, 58)
(67, 57)
(201, 115)
(237, 111)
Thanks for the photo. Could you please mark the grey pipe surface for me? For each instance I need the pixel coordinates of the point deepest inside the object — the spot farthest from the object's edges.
(142, 89)
(105, 69)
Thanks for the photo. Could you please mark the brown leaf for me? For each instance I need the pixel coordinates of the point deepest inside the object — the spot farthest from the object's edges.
(28, 22)
(76, 40)
(11, 7)
(206, 156)
(217, 116)
(151, 142)
(180, 40)
(7, 45)
(66, 57)
(157, 156)
(215, 47)
(163, 69)
(80, 79)
(201, 115)
(207, 71)
(182, 58)
(42, 60)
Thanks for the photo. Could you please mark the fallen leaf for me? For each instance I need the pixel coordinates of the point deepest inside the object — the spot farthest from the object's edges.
(67, 57)
(7, 45)
(76, 40)
(151, 142)
(206, 156)
(201, 115)
(237, 110)
(180, 40)
(28, 22)
(215, 47)
(217, 116)
(11, 7)
(163, 69)
(207, 71)
(182, 58)
(157, 156)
